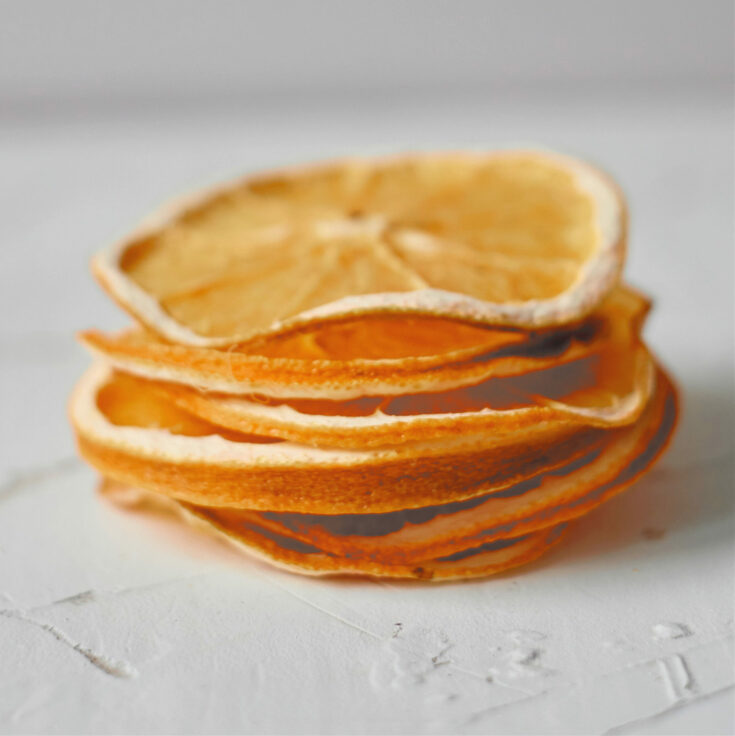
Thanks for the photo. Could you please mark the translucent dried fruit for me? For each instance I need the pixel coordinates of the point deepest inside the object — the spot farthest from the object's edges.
(605, 389)
(341, 361)
(522, 238)
(126, 430)
(421, 367)
(547, 498)
(285, 552)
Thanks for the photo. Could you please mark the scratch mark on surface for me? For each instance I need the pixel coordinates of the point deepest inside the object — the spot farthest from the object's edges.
(680, 687)
(523, 662)
(671, 630)
(325, 611)
(153, 585)
(78, 599)
(93, 594)
(20, 481)
(112, 667)
(622, 728)
(34, 701)
(723, 640)
(526, 636)
(9, 598)
(480, 715)
(677, 678)
(398, 642)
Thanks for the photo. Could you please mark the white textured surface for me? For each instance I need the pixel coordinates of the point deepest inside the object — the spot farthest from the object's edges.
(114, 623)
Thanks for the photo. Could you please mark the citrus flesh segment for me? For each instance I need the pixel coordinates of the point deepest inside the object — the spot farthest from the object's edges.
(337, 361)
(128, 432)
(290, 554)
(525, 239)
(548, 498)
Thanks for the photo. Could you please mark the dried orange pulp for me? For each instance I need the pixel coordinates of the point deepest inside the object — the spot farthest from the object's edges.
(519, 238)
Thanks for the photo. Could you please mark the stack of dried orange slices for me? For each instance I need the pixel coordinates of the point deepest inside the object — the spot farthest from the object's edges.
(417, 367)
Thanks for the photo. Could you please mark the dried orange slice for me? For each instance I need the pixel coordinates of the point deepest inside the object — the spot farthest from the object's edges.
(520, 238)
(546, 499)
(285, 552)
(371, 355)
(458, 532)
(128, 432)
(605, 389)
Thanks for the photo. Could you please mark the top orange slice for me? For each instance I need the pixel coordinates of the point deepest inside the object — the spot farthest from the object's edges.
(518, 238)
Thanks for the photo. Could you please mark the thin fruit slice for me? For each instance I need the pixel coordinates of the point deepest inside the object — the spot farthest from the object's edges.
(456, 530)
(287, 553)
(370, 356)
(128, 432)
(607, 389)
(546, 499)
(520, 238)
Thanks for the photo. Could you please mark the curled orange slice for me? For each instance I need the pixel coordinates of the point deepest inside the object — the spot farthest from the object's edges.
(606, 389)
(370, 356)
(548, 498)
(519, 238)
(282, 551)
(126, 430)
(418, 367)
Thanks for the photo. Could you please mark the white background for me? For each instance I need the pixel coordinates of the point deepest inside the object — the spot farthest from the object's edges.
(83, 52)
(106, 109)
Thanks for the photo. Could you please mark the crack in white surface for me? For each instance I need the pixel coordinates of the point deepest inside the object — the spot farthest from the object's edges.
(677, 677)
(623, 728)
(32, 702)
(702, 643)
(22, 480)
(77, 599)
(112, 667)
(397, 644)
(670, 630)
(325, 611)
(522, 662)
(92, 594)
(677, 680)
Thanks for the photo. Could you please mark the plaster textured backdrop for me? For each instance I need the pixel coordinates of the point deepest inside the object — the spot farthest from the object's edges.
(113, 623)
